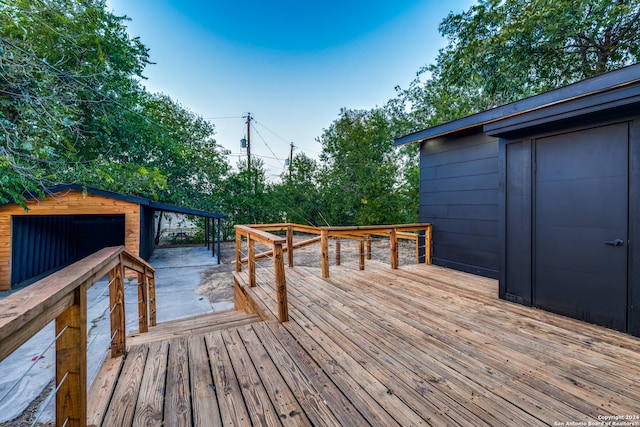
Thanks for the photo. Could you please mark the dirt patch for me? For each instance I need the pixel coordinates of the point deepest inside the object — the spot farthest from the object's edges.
(217, 282)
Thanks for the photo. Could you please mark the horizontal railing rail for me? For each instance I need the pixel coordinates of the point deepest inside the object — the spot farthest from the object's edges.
(62, 296)
(261, 233)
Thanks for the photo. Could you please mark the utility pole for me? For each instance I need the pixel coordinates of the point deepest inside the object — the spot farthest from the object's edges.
(249, 144)
(290, 159)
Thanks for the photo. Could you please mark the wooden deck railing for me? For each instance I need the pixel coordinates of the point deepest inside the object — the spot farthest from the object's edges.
(261, 233)
(255, 235)
(62, 296)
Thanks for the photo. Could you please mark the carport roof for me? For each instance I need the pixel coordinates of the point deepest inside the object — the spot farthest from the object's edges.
(133, 199)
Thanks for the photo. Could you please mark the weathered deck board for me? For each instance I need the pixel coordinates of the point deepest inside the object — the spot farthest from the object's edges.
(285, 403)
(152, 389)
(177, 400)
(122, 406)
(191, 326)
(421, 345)
(203, 394)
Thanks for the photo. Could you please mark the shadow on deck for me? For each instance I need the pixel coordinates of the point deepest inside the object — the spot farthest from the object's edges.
(421, 345)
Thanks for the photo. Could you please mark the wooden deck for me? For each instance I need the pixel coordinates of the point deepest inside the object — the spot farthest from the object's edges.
(421, 345)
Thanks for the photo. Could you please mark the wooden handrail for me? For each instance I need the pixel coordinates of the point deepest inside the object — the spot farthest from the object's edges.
(62, 296)
(258, 235)
(269, 253)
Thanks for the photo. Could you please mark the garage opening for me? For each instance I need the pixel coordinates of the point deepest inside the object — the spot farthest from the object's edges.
(45, 243)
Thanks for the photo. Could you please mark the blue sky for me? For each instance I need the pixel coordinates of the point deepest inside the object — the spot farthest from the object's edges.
(292, 65)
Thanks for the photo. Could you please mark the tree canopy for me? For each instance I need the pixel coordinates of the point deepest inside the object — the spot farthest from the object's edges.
(73, 109)
(500, 51)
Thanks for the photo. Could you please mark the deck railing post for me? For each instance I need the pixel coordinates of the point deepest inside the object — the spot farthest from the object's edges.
(393, 243)
(290, 244)
(338, 251)
(361, 254)
(152, 300)
(369, 238)
(116, 304)
(238, 252)
(251, 260)
(143, 308)
(71, 362)
(324, 243)
(281, 283)
(427, 244)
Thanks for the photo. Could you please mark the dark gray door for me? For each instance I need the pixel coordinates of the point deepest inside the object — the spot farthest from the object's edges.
(581, 219)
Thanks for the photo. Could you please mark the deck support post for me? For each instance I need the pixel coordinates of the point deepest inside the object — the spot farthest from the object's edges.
(281, 283)
(427, 244)
(238, 252)
(337, 250)
(251, 260)
(290, 244)
(324, 243)
(143, 308)
(393, 243)
(361, 252)
(116, 306)
(152, 300)
(71, 362)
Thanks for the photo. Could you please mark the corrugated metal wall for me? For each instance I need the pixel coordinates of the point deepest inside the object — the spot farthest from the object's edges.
(42, 243)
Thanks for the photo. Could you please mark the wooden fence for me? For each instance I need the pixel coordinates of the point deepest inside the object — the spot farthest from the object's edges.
(279, 245)
(62, 296)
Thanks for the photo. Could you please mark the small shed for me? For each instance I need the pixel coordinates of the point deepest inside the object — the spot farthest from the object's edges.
(544, 195)
(73, 222)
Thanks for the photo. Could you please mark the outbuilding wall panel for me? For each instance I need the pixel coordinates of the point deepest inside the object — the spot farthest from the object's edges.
(459, 196)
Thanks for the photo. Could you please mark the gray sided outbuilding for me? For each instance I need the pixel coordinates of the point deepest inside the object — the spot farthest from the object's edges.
(544, 194)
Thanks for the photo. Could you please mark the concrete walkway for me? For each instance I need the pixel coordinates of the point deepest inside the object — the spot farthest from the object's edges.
(27, 372)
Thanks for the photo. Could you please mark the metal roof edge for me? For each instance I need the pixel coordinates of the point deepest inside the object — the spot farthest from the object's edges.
(179, 209)
(128, 198)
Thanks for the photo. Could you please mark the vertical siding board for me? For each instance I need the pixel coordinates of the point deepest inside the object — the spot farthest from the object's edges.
(518, 222)
(45, 252)
(633, 321)
(26, 256)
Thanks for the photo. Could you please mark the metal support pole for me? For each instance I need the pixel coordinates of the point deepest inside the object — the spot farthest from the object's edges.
(219, 253)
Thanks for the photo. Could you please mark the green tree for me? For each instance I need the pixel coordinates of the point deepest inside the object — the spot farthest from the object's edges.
(298, 192)
(66, 68)
(516, 48)
(72, 109)
(500, 51)
(360, 177)
(247, 197)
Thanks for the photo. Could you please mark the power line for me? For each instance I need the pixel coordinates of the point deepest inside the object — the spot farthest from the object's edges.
(223, 118)
(269, 130)
(265, 143)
